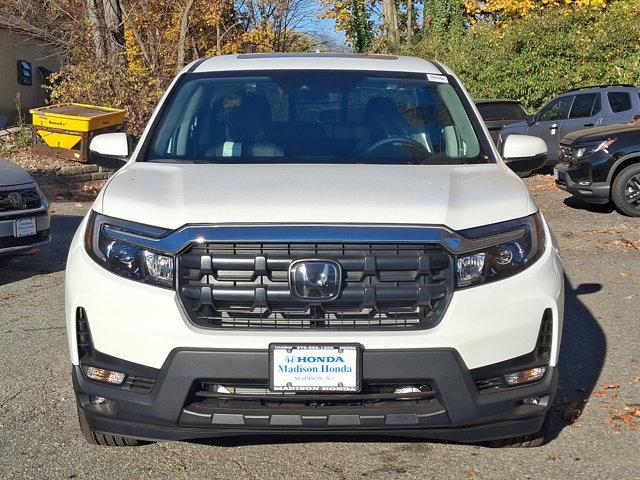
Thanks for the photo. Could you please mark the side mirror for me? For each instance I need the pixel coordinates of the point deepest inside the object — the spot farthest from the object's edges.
(531, 119)
(524, 153)
(110, 150)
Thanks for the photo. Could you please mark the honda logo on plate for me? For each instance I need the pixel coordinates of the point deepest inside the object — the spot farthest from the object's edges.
(315, 279)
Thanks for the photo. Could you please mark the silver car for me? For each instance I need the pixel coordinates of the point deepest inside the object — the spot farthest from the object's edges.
(24, 211)
(576, 110)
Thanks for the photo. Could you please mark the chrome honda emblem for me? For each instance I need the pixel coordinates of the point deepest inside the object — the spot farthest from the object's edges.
(16, 200)
(315, 279)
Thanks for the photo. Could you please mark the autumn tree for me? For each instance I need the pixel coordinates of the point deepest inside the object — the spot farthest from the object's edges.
(107, 30)
(390, 19)
(500, 10)
(354, 18)
(443, 16)
(278, 25)
(124, 53)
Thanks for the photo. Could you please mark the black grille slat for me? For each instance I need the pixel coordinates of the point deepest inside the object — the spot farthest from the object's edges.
(245, 285)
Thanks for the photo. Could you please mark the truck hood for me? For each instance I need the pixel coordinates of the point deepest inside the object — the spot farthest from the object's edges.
(602, 133)
(12, 175)
(171, 195)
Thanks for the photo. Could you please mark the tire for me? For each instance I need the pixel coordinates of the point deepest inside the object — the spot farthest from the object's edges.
(627, 182)
(104, 440)
(524, 174)
(525, 441)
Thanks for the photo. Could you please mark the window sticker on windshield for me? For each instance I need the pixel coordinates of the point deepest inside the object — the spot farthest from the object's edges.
(437, 78)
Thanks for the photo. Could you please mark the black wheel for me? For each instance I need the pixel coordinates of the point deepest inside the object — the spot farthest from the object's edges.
(525, 441)
(524, 174)
(625, 191)
(95, 438)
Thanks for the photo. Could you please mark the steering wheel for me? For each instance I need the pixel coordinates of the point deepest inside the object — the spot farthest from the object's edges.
(410, 142)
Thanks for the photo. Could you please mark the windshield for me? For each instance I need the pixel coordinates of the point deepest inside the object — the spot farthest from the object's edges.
(315, 117)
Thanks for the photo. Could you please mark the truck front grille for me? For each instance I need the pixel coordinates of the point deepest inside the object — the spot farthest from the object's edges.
(245, 285)
(16, 200)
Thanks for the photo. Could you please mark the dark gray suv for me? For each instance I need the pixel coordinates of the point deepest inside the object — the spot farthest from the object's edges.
(576, 110)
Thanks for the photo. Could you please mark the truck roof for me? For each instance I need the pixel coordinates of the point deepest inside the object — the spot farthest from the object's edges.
(314, 61)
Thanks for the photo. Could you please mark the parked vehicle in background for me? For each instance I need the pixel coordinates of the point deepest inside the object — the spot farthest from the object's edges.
(497, 114)
(602, 165)
(315, 243)
(24, 211)
(578, 109)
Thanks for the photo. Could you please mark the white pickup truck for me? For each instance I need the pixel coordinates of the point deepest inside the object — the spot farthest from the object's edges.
(315, 243)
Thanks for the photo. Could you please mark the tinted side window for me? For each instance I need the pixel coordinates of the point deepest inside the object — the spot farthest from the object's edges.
(556, 110)
(619, 101)
(502, 111)
(583, 105)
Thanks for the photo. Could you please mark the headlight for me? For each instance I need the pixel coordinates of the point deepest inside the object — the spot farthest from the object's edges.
(124, 258)
(588, 149)
(519, 243)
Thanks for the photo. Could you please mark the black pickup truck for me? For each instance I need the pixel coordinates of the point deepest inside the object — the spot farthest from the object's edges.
(602, 165)
(499, 113)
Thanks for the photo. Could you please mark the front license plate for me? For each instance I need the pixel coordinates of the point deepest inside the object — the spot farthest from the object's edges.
(315, 368)
(23, 227)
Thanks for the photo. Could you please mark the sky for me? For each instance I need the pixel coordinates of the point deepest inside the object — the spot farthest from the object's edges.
(324, 27)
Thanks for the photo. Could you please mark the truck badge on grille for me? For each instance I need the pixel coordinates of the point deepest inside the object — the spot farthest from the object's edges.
(17, 201)
(315, 279)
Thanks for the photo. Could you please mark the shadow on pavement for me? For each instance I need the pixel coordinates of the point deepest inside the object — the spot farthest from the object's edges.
(576, 203)
(582, 356)
(50, 258)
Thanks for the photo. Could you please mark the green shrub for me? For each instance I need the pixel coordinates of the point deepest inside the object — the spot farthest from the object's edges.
(543, 54)
(22, 137)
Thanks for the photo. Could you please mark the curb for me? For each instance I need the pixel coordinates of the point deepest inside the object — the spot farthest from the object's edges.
(74, 176)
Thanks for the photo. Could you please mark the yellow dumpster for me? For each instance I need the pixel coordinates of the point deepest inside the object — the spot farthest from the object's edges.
(65, 130)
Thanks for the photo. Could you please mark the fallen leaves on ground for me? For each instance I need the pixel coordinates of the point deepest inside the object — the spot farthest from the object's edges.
(624, 243)
(547, 185)
(572, 410)
(37, 164)
(604, 231)
(630, 417)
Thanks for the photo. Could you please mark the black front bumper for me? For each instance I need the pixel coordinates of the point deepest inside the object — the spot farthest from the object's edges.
(578, 181)
(458, 411)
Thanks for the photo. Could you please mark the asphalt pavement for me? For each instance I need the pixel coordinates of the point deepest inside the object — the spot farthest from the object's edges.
(594, 434)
